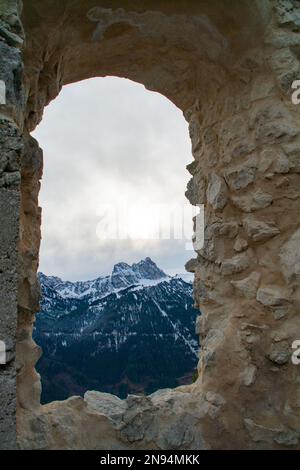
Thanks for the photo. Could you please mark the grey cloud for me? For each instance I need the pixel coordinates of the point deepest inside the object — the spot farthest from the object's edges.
(104, 140)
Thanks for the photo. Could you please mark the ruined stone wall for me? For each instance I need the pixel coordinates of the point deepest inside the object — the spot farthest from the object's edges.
(11, 123)
(229, 66)
(246, 172)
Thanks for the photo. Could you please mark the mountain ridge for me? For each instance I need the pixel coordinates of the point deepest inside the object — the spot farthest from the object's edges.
(122, 275)
(126, 326)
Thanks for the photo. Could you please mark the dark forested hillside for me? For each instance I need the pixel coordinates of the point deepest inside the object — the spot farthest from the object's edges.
(131, 332)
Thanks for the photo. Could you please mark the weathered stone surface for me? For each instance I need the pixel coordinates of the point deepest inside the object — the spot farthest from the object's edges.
(287, 438)
(240, 244)
(191, 265)
(240, 177)
(259, 230)
(271, 122)
(11, 147)
(253, 201)
(279, 354)
(217, 193)
(285, 64)
(166, 419)
(273, 160)
(249, 375)
(196, 190)
(248, 286)
(281, 311)
(236, 264)
(234, 137)
(272, 295)
(290, 257)
(106, 404)
(292, 150)
(262, 86)
(260, 433)
(212, 234)
(288, 14)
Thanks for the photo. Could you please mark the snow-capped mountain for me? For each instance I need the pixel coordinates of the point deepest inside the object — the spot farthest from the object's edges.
(132, 331)
(122, 276)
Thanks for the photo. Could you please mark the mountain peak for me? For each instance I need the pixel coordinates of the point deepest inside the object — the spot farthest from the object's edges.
(145, 272)
(147, 269)
(121, 266)
(124, 275)
(51, 281)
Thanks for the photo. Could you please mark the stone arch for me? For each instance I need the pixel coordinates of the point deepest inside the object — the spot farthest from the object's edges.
(229, 67)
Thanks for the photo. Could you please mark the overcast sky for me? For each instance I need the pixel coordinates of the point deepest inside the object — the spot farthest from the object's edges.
(110, 145)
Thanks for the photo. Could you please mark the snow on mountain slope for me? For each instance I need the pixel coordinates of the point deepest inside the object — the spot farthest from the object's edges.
(122, 276)
(132, 331)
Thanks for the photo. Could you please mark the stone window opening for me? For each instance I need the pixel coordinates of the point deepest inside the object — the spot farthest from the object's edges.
(55, 140)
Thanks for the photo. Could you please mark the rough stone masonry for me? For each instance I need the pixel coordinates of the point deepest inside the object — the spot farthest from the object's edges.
(229, 66)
